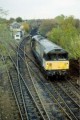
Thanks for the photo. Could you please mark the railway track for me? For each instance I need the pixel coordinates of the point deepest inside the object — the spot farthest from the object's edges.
(71, 112)
(51, 100)
(26, 104)
(53, 113)
(71, 104)
(68, 87)
(27, 79)
(29, 110)
(14, 81)
(72, 82)
(65, 102)
(56, 112)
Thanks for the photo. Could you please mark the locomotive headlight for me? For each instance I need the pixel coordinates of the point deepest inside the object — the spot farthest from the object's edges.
(67, 65)
(50, 64)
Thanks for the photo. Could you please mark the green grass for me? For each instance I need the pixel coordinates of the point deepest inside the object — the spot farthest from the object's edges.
(5, 41)
(69, 42)
(5, 38)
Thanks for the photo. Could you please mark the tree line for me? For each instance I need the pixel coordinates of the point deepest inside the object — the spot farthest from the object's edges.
(62, 30)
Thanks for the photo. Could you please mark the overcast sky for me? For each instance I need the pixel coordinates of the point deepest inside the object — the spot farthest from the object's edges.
(38, 9)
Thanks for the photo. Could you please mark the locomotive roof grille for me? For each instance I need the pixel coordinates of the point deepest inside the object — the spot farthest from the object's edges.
(48, 45)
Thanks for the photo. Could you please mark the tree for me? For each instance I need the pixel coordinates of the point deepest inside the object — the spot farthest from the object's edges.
(55, 35)
(3, 12)
(11, 20)
(59, 19)
(19, 19)
(26, 26)
(67, 36)
(46, 26)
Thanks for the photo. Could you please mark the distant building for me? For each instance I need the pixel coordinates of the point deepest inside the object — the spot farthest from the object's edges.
(18, 35)
(17, 31)
(14, 26)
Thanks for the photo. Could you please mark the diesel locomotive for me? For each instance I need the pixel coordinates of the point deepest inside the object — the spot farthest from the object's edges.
(52, 58)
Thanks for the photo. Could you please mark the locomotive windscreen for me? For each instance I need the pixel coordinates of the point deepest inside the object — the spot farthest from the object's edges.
(56, 56)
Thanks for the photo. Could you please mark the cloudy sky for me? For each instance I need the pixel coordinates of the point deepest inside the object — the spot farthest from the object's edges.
(35, 9)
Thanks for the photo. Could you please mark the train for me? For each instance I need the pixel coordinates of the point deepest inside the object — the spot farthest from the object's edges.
(52, 58)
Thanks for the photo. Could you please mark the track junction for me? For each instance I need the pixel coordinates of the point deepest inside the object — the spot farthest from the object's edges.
(36, 97)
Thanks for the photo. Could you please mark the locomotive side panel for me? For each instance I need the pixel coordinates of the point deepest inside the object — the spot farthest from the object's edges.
(37, 50)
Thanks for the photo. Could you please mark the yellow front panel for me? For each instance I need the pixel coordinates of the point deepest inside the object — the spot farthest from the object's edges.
(57, 65)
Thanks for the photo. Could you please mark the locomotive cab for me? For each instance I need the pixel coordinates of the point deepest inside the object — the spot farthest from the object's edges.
(56, 63)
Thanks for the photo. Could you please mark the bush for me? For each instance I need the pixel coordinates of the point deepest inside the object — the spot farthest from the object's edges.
(67, 36)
